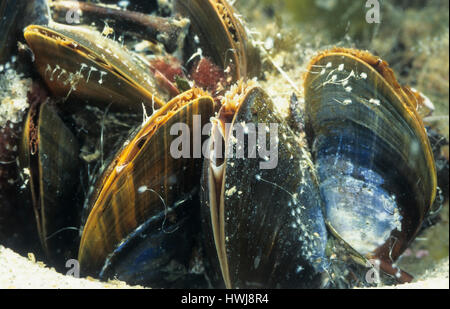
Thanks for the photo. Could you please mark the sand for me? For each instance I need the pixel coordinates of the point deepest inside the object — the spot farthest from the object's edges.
(17, 272)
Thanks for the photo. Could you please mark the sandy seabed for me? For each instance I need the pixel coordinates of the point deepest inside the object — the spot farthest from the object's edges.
(17, 272)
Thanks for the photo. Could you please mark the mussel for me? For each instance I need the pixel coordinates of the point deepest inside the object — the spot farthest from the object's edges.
(141, 222)
(267, 224)
(49, 157)
(372, 154)
(74, 60)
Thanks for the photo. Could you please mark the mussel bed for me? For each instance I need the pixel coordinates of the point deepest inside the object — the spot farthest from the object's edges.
(279, 90)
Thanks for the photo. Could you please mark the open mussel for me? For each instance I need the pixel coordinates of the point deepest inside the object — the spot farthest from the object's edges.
(264, 214)
(74, 60)
(141, 225)
(373, 158)
(49, 157)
